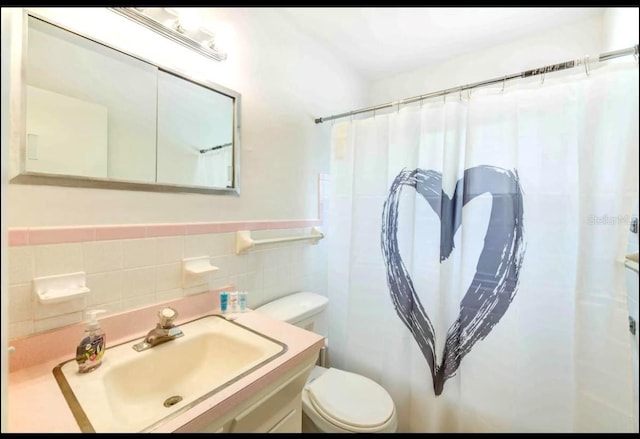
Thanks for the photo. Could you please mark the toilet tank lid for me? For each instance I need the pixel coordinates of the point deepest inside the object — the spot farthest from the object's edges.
(295, 307)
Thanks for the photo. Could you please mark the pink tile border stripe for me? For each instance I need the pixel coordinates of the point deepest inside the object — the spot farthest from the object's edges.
(61, 235)
(104, 233)
(18, 237)
(56, 235)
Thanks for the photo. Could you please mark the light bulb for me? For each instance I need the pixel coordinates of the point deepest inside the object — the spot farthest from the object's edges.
(208, 43)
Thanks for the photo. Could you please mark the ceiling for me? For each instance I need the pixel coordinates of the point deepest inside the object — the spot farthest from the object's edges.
(384, 41)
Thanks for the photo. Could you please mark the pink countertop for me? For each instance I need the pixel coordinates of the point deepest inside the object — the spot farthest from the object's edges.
(36, 404)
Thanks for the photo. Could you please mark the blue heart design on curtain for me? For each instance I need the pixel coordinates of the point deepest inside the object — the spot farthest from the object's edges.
(495, 282)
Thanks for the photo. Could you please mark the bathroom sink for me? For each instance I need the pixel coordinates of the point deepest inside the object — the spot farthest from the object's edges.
(136, 391)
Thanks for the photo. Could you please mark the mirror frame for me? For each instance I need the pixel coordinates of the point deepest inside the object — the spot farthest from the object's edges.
(37, 178)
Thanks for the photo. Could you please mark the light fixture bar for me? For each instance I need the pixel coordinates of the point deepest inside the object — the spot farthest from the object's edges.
(148, 22)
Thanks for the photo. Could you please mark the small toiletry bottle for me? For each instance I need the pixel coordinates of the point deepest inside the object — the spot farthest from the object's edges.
(224, 302)
(91, 348)
(233, 301)
(242, 301)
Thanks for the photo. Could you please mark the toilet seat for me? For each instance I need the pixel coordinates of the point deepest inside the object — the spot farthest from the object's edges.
(350, 401)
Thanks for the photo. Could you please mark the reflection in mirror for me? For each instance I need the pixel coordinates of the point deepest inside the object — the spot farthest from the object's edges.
(195, 134)
(98, 117)
(91, 110)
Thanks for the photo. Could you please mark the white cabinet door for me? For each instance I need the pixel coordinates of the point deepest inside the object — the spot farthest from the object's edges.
(274, 410)
(289, 424)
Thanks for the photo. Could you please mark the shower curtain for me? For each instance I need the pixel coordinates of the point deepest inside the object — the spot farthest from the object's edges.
(476, 254)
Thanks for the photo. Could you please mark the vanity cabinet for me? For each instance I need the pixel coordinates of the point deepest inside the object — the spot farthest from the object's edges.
(275, 409)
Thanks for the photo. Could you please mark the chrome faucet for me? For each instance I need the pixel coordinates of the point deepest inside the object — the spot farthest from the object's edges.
(164, 331)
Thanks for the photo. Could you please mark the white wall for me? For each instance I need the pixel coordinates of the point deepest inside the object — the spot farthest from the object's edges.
(563, 43)
(620, 28)
(285, 80)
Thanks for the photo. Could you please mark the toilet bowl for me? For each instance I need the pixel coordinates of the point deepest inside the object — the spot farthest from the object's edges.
(334, 400)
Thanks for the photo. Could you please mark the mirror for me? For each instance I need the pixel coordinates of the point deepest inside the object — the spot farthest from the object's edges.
(98, 117)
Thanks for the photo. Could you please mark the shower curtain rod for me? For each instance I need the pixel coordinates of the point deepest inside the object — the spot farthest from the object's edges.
(213, 148)
(633, 50)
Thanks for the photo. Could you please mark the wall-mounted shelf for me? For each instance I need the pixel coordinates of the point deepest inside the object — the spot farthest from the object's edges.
(195, 269)
(60, 288)
(244, 240)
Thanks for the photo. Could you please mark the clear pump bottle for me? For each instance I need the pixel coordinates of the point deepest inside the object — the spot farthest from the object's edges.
(91, 348)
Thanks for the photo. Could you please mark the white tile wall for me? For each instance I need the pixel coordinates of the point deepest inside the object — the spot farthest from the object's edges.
(21, 266)
(21, 302)
(168, 276)
(102, 256)
(169, 249)
(106, 288)
(139, 282)
(139, 252)
(130, 273)
(56, 259)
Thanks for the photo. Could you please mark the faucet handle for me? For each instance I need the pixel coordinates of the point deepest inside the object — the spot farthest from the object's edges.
(167, 316)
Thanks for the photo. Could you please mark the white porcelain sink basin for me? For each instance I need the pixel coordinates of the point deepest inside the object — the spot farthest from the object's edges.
(135, 391)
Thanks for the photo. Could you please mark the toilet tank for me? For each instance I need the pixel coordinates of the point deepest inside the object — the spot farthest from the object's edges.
(304, 309)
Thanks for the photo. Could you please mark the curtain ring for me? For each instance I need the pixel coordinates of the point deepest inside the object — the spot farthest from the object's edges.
(460, 95)
(468, 94)
(544, 74)
(444, 97)
(586, 65)
(398, 111)
(503, 81)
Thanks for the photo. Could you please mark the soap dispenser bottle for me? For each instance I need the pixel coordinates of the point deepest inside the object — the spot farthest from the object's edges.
(91, 348)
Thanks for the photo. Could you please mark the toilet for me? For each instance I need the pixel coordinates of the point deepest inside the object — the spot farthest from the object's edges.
(333, 400)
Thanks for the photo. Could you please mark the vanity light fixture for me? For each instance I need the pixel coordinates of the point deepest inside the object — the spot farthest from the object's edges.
(183, 28)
